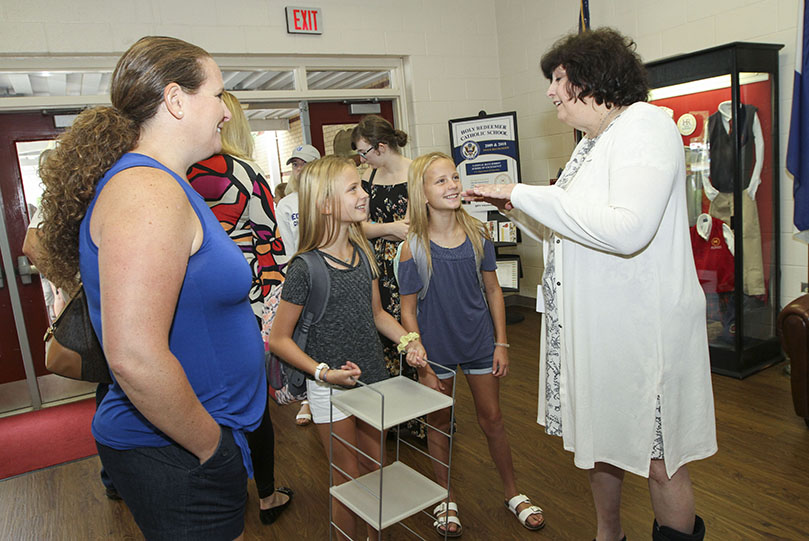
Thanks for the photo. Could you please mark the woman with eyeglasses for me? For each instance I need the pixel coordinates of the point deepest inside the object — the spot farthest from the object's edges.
(379, 145)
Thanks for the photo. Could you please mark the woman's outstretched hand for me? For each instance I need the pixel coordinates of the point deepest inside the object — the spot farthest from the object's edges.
(498, 195)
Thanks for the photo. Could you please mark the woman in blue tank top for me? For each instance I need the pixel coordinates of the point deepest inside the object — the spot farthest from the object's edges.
(167, 291)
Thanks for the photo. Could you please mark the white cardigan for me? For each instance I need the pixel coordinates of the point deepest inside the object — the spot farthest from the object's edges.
(630, 305)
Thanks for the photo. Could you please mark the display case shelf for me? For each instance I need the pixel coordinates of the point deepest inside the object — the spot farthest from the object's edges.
(405, 492)
(404, 399)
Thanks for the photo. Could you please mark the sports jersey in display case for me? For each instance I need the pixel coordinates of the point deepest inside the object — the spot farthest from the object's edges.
(724, 101)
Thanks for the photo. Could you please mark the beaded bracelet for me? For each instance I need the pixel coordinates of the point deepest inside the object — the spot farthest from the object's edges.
(406, 339)
(502, 344)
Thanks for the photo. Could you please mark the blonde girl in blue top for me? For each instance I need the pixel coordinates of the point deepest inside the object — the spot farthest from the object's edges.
(448, 252)
(344, 345)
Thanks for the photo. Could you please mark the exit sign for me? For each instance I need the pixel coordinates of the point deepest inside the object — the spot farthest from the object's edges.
(304, 20)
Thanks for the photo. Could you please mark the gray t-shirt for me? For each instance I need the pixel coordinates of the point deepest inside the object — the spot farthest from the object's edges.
(347, 331)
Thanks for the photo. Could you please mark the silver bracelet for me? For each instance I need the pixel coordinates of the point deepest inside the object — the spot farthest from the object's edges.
(502, 344)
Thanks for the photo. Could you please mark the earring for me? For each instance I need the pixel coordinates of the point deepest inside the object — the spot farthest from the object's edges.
(179, 113)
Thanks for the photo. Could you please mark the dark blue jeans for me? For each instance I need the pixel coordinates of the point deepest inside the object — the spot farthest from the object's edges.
(175, 498)
(101, 392)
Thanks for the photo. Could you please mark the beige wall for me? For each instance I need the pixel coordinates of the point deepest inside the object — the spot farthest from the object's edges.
(450, 47)
(526, 28)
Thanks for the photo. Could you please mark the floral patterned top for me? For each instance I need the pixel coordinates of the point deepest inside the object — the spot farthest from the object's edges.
(388, 203)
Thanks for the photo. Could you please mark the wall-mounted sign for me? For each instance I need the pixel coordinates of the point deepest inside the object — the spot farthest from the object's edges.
(304, 20)
(485, 151)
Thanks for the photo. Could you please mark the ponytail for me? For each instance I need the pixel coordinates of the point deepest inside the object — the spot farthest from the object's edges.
(375, 130)
(100, 136)
(70, 173)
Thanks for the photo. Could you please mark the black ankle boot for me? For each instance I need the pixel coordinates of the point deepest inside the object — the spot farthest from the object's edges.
(664, 533)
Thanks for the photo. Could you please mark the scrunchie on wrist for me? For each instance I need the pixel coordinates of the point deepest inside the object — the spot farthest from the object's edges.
(405, 340)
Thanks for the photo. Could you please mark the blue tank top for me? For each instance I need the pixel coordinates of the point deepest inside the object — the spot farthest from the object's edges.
(454, 319)
(214, 334)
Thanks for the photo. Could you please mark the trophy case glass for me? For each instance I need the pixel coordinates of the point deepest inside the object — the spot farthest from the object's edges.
(725, 103)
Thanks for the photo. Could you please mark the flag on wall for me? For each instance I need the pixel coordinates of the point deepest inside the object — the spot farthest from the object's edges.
(798, 145)
(584, 25)
(584, 15)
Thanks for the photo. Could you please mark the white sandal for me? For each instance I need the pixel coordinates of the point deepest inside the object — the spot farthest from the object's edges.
(303, 419)
(523, 515)
(440, 523)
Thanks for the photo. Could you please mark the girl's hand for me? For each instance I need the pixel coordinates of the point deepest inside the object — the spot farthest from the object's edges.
(416, 355)
(428, 378)
(498, 195)
(500, 362)
(347, 376)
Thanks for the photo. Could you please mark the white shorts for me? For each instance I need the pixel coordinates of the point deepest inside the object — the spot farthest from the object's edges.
(318, 395)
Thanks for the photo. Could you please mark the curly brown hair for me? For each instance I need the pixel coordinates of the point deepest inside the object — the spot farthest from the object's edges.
(600, 63)
(100, 136)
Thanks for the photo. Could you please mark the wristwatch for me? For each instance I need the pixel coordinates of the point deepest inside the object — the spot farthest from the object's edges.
(319, 370)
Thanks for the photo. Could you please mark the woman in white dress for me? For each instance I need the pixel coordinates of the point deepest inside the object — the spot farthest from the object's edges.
(625, 377)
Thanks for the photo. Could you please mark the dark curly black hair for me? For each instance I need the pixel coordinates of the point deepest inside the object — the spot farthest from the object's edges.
(600, 63)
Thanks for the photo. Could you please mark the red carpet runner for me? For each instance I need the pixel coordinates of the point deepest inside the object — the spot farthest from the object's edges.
(39, 439)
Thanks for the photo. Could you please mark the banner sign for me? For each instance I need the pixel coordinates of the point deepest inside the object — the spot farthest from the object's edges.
(486, 151)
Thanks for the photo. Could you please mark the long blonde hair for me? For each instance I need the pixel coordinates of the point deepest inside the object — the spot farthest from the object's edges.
(318, 192)
(236, 137)
(420, 214)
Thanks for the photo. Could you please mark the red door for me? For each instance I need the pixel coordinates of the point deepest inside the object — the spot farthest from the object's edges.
(324, 114)
(14, 128)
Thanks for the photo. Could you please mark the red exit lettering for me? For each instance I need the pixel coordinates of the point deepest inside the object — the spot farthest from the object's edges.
(305, 19)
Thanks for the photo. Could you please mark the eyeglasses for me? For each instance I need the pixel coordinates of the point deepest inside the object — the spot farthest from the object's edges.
(364, 153)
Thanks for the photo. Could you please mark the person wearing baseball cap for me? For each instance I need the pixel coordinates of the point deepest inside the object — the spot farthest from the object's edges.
(302, 155)
(286, 212)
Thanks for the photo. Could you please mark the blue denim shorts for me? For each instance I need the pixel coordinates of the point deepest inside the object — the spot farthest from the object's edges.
(475, 368)
(175, 498)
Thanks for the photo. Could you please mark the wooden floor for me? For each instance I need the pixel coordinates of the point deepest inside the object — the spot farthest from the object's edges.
(756, 487)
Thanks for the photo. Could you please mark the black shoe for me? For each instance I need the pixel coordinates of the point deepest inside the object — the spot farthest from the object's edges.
(664, 533)
(268, 516)
(112, 494)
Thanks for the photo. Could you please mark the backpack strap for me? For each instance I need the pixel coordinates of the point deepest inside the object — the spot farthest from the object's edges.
(313, 310)
(316, 301)
(419, 253)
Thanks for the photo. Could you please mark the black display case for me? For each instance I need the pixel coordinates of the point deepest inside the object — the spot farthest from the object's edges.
(725, 103)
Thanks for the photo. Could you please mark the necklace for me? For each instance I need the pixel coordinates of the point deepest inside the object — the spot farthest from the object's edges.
(610, 114)
(343, 260)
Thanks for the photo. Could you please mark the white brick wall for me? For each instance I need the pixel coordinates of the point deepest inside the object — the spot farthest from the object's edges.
(450, 45)
(461, 56)
(662, 28)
